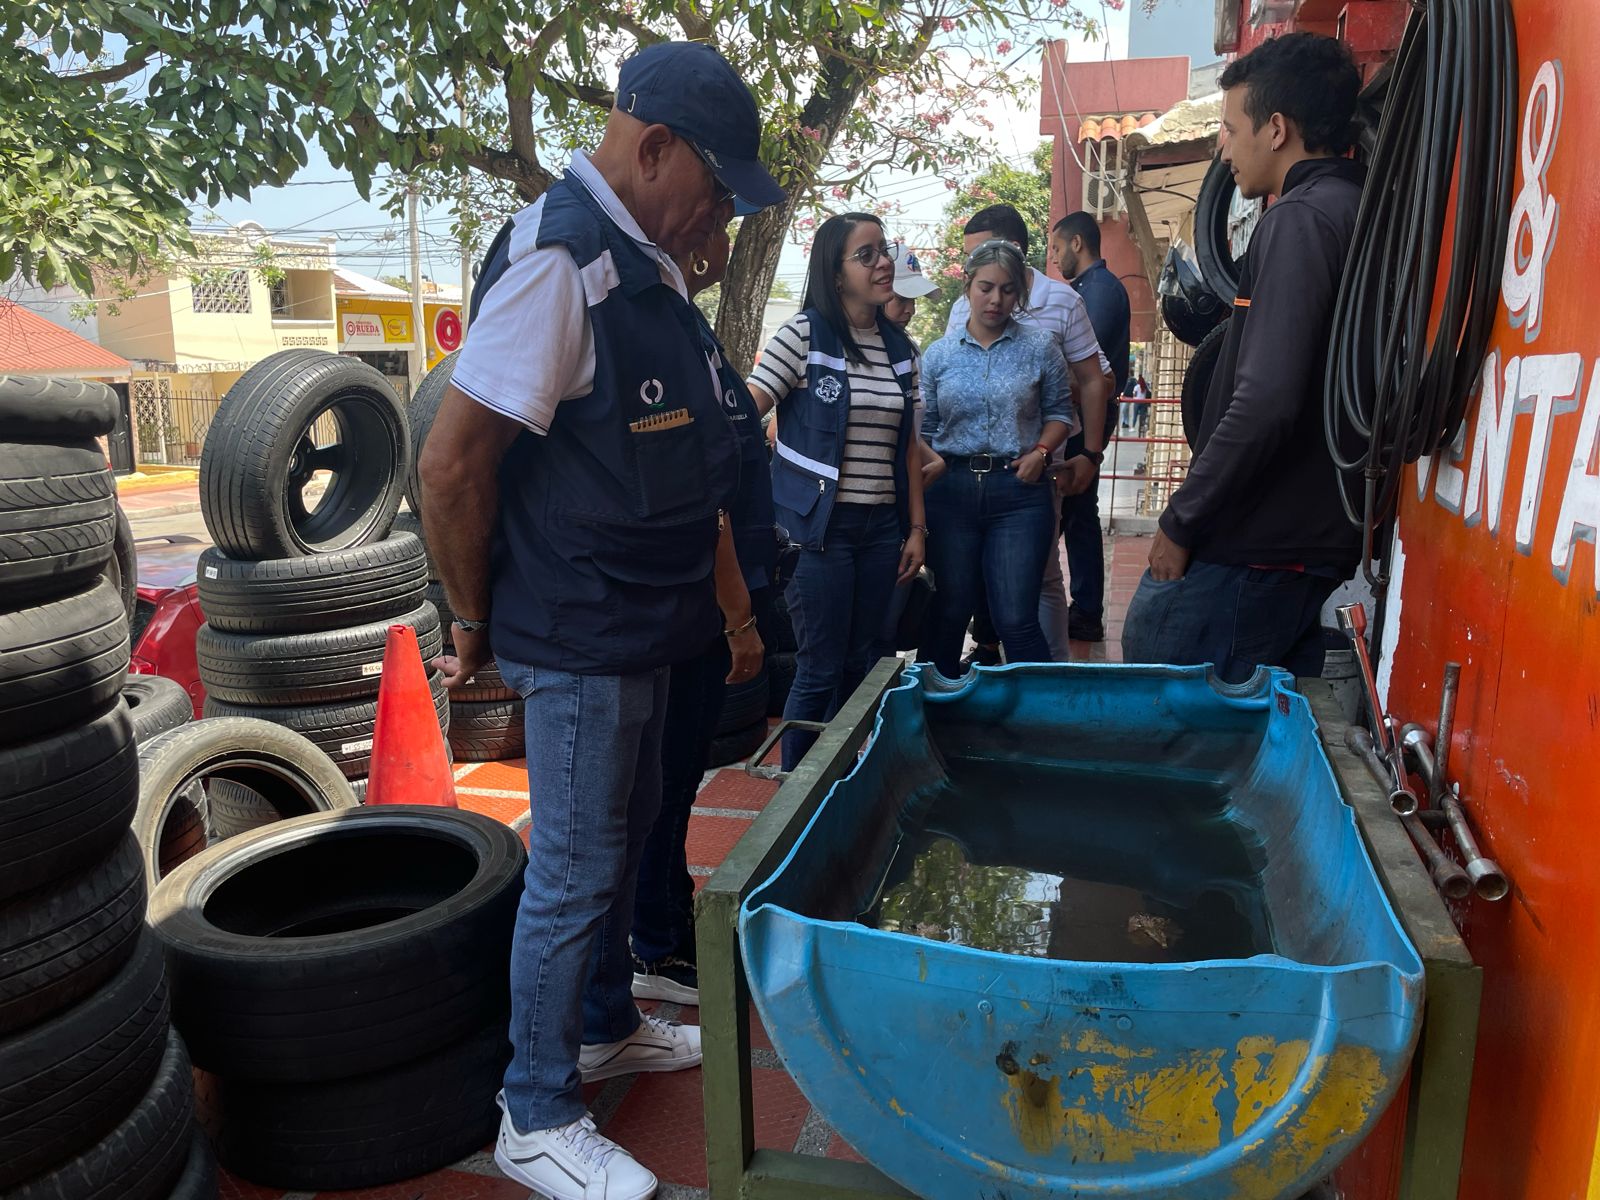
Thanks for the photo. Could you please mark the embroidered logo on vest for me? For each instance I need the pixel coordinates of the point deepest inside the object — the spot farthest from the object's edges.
(828, 389)
(652, 393)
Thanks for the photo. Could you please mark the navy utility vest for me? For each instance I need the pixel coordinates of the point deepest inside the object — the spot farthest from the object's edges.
(755, 534)
(607, 534)
(811, 433)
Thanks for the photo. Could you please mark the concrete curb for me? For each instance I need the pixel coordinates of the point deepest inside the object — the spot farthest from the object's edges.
(170, 510)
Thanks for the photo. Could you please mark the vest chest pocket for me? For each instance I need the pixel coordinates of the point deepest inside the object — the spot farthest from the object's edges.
(795, 488)
(671, 468)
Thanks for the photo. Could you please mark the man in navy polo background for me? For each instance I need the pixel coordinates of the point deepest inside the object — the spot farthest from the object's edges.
(574, 475)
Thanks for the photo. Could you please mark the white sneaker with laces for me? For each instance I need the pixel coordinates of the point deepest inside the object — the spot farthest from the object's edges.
(572, 1162)
(655, 1046)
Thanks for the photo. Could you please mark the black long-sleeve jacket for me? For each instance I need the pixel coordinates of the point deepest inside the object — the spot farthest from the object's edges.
(1262, 489)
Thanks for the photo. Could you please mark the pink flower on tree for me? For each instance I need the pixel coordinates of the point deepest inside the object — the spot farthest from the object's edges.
(946, 24)
(838, 193)
(814, 134)
(1004, 47)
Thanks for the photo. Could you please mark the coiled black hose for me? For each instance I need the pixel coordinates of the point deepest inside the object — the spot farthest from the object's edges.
(1398, 382)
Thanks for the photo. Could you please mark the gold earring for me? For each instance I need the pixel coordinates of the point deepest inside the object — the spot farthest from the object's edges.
(702, 266)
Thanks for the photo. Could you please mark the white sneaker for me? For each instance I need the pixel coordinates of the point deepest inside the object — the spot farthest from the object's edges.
(655, 1046)
(572, 1162)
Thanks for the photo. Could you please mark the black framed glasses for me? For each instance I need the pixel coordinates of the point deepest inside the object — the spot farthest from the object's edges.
(722, 191)
(870, 256)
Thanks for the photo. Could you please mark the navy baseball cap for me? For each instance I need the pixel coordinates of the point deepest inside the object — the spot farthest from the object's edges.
(691, 89)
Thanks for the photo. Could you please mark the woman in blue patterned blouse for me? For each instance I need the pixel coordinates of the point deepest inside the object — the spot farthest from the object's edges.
(997, 404)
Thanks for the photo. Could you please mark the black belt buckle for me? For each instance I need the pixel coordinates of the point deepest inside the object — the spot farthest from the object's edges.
(980, 464)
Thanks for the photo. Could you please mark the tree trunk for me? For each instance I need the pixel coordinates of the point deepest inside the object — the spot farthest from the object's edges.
(748, 283)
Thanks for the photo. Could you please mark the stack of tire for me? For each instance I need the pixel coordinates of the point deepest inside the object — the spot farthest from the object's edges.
(299, 596)
(96, 1099)
(342, 980)
(485, 715)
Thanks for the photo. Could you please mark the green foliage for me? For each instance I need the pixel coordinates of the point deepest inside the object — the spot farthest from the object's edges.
(113, 116)
(1027, 189)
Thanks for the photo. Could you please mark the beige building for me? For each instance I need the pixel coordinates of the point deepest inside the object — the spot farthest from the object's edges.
(192, 333)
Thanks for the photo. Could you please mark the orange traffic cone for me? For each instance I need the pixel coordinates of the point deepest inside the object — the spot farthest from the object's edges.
(410, 764)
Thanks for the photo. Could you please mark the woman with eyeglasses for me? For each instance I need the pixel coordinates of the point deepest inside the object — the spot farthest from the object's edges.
(846, 470)
(996, 405)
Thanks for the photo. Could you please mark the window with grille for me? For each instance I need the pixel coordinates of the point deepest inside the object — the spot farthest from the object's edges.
(280, 298)
(223, 292)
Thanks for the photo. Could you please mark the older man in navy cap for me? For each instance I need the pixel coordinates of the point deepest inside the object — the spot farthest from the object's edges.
(574, 476)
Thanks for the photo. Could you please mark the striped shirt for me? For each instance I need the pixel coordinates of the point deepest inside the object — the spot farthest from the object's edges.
(877, 405)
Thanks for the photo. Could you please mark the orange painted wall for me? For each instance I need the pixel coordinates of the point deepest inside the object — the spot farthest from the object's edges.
(1522, 614)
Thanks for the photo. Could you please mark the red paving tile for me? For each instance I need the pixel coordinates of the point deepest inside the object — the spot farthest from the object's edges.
(508, 776)
(441, 1185)
(501, 808)
(710, 838)
(662, 1121)
(841, 1149)
(732, 788)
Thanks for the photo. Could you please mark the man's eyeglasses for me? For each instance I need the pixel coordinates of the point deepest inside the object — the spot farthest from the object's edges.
(869, 256)
(722, 191)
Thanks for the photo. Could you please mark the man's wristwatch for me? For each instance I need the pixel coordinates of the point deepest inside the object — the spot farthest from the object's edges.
(1095, 456)
(467, 626)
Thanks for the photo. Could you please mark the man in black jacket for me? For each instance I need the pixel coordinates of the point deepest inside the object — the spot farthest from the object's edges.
(1255, 540)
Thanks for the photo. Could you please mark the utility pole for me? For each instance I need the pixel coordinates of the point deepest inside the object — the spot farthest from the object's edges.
(419, 336)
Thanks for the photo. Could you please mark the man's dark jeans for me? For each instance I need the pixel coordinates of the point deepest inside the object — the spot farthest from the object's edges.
(838, 599)
(990, 533)
(1236, 617)
(663, 903)
(1086, 562)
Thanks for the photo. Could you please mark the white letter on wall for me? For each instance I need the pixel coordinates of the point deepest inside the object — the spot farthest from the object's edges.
(1549, 385)
(1580, 502)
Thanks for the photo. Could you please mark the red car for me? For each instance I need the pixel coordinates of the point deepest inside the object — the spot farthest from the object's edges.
(167, 613)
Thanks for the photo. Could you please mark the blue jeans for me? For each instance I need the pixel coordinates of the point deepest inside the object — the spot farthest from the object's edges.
(838, 599)
(1237, 618)
(663, 903)
(989, 536)
(594, 786)
(1086, 563)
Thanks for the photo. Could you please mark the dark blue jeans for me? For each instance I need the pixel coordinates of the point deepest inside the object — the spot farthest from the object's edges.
(989, 535)
(663, 902)
(1236, 617)
(838, 599)
(1086, 563)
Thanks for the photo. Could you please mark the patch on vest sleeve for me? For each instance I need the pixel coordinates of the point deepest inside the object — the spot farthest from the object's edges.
(599, 277)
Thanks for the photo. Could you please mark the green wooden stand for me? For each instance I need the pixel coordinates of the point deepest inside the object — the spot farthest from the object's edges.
(1441, 1072)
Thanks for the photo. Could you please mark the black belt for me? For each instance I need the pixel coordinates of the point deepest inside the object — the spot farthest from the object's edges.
(980, 464)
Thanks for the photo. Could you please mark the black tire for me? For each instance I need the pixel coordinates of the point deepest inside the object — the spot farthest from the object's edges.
(144, 1156)
(58, 519)
(424, 407)
(156, 705)
(487, 686)
(408, 522)
(306, 668)
(743, 704)
(69, 1080)
(1219, 264)
(1197, 380)
(487, 732)
(60, 942)
(232, 809)
(43, 409)
(1188, 323)
(736, 746)
(361, 1132)
(780, 678)
(122, 566)
(275, 765)
(321, 591)
(66, 800)
(342, 731)
(259, 455)
(340, 943)
(435, 595)
(61, 662)
(782, 626)
(199, 1180)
